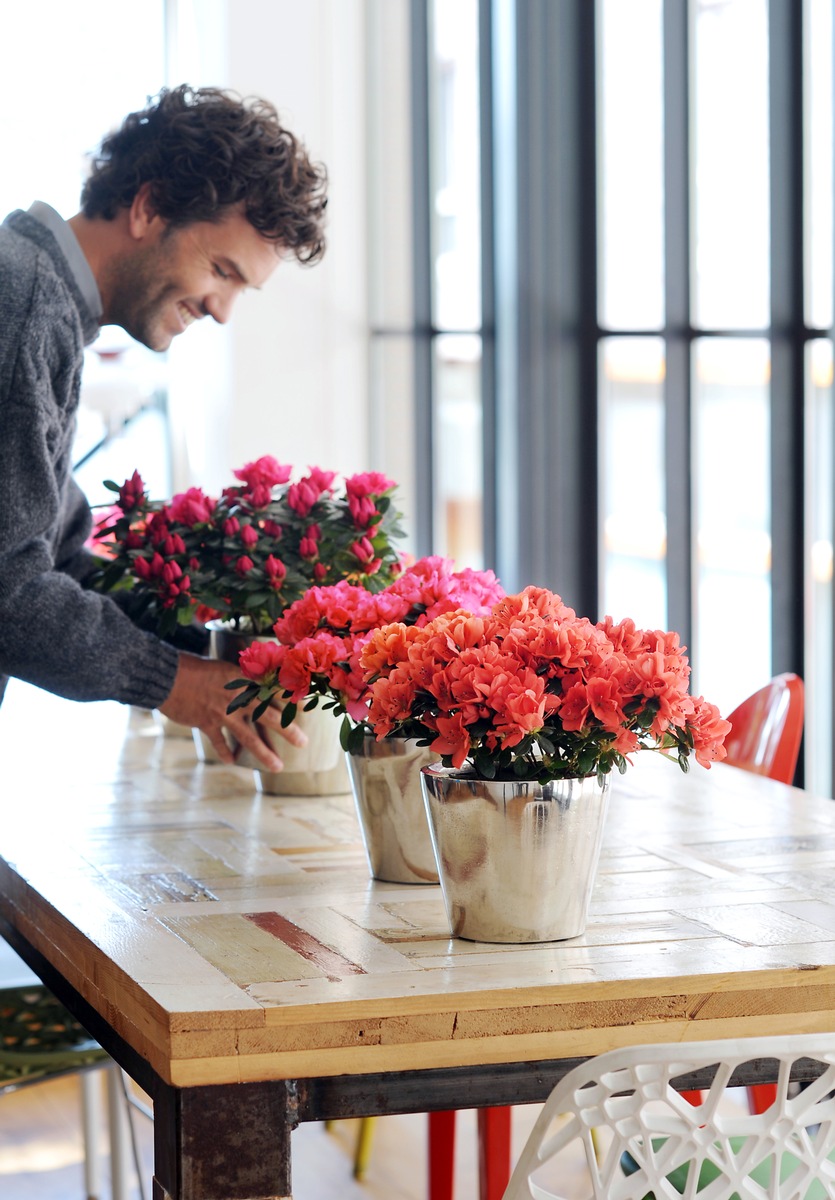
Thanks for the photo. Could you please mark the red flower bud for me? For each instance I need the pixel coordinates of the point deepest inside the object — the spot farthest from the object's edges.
(131, 493)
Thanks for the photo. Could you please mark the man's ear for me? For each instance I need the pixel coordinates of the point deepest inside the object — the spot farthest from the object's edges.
(143, 219)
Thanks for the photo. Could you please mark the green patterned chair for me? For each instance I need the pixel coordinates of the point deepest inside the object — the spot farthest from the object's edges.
(40, 1039)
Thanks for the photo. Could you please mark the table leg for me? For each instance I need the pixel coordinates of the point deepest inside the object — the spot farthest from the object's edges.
(224, 1142)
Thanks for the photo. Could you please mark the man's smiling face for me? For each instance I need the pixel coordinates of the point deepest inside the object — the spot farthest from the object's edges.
(175, 275)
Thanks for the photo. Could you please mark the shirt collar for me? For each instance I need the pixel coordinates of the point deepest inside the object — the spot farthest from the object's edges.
(70, 248)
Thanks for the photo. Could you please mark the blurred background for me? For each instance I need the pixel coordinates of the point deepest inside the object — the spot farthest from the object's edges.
(577, 300)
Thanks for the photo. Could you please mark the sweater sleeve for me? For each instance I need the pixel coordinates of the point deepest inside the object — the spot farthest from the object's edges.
(53, 633)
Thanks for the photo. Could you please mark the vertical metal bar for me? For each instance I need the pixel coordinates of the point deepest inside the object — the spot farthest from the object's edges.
(546, 298)
(787, 333)
(587, 515)
(117, 1124)
(91, 1123)
(421, 189)
(678, 340)
(488, 298)
(506, 162)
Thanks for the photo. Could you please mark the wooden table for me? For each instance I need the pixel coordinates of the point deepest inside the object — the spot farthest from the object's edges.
(230, 951)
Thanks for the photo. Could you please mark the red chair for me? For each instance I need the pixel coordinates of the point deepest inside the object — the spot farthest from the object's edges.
(766, 729)
(765, 738)
(494, 1152)
(494, 1159)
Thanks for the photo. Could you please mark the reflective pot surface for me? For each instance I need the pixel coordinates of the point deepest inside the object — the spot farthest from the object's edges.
(517, 861)
(385, 780)
(317, 769)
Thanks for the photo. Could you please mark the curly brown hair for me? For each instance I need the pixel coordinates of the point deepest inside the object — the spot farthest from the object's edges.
(205, 150)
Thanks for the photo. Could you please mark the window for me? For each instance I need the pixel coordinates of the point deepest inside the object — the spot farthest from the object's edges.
(455, 239)
(655, 216)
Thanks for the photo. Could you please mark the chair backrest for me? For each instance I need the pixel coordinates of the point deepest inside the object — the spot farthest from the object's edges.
(766, 729)
(651, 1140)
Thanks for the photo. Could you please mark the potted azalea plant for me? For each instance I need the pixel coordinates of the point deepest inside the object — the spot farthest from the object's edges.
(317, 659)
(531, 708)
(238, 561)
(247, 555)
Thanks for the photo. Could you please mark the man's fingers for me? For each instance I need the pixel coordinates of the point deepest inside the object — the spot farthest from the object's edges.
(292, 733)
(249, 737)
(219, 742)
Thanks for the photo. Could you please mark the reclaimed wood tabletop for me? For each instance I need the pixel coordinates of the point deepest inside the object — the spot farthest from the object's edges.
(226, 937)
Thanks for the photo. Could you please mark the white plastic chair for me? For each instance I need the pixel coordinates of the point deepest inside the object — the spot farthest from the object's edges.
(711, 1154)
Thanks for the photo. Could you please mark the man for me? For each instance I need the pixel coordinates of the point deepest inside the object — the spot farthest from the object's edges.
(191, 201)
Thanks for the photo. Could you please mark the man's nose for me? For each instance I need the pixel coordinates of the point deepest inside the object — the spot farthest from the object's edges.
(219, 307)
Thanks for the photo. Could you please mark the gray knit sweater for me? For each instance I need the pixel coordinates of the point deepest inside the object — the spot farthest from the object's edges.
(53, 633)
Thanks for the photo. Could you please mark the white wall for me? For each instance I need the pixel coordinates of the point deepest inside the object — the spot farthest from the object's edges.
(289, 375)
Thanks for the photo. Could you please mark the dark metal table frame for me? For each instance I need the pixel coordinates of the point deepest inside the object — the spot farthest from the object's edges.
(232, 1141)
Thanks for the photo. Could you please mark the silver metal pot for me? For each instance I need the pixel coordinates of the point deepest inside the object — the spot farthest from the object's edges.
(385, 780)
(517, 861)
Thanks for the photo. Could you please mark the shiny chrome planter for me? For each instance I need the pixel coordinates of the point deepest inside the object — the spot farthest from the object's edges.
(317, 769)
(517, 861)
(385, 780)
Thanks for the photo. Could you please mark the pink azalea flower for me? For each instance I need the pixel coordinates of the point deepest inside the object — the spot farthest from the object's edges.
(368, 483)
(260, 661)
(264, 472)
(191, 508)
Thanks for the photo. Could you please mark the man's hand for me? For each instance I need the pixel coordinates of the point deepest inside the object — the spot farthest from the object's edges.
(199, 698)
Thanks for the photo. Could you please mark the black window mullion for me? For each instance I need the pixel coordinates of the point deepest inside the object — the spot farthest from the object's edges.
(788, 333)
(422, 280)
(546, 277)
(678, 339)
(488, 300)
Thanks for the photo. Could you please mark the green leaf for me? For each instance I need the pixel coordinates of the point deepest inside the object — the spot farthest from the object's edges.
(111, 486)
(356, 737)
(345, 734)
(485, 766)
(288, 714)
